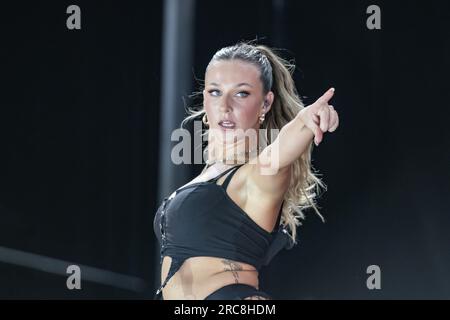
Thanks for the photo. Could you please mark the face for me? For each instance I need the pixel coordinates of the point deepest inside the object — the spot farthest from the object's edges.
(233, 97)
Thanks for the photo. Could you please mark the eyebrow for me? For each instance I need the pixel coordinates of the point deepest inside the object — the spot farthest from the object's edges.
(238, 85)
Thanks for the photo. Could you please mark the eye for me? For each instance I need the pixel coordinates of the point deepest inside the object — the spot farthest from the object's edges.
(245, 94)
(214, 92)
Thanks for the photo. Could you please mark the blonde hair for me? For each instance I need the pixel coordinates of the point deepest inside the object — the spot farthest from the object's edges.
(276, 75)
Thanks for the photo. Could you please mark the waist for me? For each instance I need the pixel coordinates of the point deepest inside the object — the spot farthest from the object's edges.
(198, 277)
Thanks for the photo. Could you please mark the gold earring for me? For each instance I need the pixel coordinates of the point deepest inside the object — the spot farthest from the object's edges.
(261, 118)
(205, 120)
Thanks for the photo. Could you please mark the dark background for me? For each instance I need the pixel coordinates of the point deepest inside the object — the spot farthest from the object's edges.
(79, 124)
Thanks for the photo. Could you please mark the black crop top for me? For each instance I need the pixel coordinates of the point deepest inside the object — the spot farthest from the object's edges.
(200, 219)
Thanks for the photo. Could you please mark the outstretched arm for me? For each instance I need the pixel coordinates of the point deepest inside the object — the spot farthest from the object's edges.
(292, 141)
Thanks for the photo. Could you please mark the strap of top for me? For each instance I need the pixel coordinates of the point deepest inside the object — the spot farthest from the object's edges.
(228, 178)
(227, 182)
(224, 173)
(277, 225)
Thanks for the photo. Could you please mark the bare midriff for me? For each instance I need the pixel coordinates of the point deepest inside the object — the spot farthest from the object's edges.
(198, 277)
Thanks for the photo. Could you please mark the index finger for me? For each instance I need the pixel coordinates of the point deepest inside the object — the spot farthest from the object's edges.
(326, 96)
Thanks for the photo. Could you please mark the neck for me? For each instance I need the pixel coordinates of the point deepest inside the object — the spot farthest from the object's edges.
(233, 159)
(237, 152)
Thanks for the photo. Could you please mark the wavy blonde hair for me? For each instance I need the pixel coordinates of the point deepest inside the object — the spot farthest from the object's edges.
(276, 75)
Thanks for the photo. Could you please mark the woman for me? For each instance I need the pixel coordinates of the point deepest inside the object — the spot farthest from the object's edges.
(218, 230)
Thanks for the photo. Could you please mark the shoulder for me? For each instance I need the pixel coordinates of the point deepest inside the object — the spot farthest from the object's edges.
(271, 184)
(263, 194)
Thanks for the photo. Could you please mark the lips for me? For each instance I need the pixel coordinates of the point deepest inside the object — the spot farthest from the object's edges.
(227, 124)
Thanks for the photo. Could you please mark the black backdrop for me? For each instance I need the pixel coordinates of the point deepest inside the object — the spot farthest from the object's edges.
(79, 117)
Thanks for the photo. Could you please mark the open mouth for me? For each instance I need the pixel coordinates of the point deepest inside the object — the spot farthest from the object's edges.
(227, 125)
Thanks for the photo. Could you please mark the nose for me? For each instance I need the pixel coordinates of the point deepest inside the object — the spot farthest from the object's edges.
(225, 104)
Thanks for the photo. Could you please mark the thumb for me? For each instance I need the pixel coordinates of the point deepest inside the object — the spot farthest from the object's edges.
(318, 134)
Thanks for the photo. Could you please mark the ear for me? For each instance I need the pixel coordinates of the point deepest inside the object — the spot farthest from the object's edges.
(268, 100)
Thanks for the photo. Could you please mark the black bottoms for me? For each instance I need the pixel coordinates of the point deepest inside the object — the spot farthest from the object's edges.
(237, 291)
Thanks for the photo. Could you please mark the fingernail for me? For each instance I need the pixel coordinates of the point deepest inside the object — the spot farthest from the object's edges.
(332, 89)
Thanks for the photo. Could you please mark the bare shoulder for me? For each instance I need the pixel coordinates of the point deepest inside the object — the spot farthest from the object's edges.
(257, 182)
(265, 194)
(259, 204)
(202, 177)
(270, 184)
